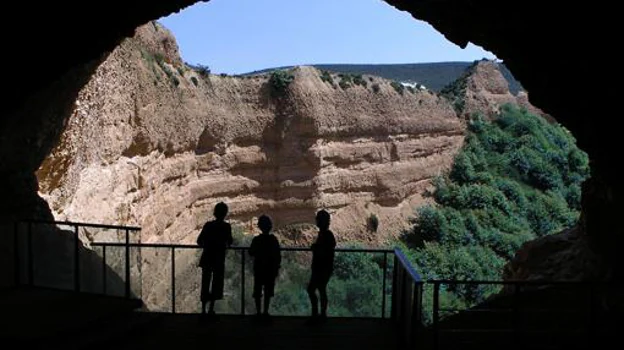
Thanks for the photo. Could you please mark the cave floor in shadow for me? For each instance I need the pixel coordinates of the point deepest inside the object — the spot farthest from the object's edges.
(238, 332)
(41, 317)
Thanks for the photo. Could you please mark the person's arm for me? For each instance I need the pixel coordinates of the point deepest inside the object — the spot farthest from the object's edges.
(201, 237)
(278, 254)
(229, 239)
(253, 247)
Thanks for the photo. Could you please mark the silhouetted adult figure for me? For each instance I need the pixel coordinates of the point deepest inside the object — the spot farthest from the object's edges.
(215, 237)
(265, 250)
(322, 266)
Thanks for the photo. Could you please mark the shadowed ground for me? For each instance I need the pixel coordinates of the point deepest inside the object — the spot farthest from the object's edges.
(236, 332)
(50, 319)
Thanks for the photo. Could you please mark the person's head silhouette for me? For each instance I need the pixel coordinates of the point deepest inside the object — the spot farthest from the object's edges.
(220, 211)
(264, 223)
(322, 219)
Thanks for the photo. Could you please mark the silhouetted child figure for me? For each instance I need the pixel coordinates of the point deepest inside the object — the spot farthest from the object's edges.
(322, 266)
(215, 237)
(265, 249)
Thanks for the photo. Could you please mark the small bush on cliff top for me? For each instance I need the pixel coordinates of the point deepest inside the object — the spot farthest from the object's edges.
(203, 71)
(358, 80)
(398, 87)
(279, 81)
(326, 77)
(346, 81)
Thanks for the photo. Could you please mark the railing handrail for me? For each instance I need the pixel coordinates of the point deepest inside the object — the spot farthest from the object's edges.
(236, 248)
(519, 282)
(407, 265)
(82, 224)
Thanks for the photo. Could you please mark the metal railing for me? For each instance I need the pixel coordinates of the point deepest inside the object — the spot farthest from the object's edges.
(407, 288)
(25, 256)
(52, 227)
(243, 265)
(507, 314)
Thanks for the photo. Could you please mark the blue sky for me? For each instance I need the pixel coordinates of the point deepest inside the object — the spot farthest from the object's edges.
(239, 36)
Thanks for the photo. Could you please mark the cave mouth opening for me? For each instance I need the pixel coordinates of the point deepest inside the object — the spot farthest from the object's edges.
(371, 220)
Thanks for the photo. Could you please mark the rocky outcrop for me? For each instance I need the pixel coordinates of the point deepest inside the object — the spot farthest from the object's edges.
(155, 144)
(557, 257)
(483, 89)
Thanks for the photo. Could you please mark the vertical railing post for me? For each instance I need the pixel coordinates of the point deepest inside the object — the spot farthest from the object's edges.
(416, 311)
(16, 255)
(242, 281)
(31, 258)
(104, 269)
(383, 286)
(436, 310)
(173, 294)
(395, 285)
(406, 306)
(127, 263)
(76, 259)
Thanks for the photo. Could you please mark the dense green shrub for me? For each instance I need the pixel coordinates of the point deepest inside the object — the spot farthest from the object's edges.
(372, 222)
(398, 87)
(518, 177)
(279, 81)
(358, 80)
(203, 71)
(326, 77)
(346, 81)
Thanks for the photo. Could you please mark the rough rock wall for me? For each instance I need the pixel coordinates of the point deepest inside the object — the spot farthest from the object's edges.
(157, 145)
(486, 89)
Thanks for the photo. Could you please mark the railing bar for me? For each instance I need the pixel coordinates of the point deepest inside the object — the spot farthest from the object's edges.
(192, 246)
(405, 305)
(407, 265)
(436, 307)
(242, 283)
(104, 269)
(523, 283)
(416, 311)
(127, 263)
(383, 286)
(505, 310)
(394, 300)
(173, 294)
(76, 259)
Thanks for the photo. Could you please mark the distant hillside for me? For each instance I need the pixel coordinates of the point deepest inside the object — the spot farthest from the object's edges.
(434, 76)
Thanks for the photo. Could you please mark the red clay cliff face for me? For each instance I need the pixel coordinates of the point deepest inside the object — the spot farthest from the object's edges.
(486, 89)
(157, 145)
